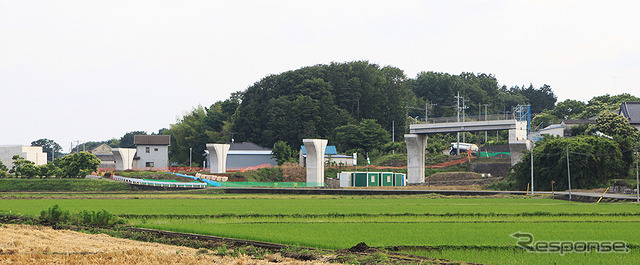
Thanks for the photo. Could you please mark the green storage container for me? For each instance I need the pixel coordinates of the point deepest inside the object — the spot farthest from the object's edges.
(359, 179)
(398, 179)
(386, 179)
(373, 179)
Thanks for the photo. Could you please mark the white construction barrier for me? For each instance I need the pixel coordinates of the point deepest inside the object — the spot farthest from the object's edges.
(159, 183)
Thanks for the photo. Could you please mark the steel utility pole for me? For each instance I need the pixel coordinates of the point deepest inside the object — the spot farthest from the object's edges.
(637, 179)
(458, 120)
(393, 134)
(568, 172)
(531, 169)
(464, 107)
(393, 131)
(485, 119)
(426, 111)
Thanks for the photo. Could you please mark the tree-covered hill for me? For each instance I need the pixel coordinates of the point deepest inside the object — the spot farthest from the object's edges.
(318, 101)
(313, 101)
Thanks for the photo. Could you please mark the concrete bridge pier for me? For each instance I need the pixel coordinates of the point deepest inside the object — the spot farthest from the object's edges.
(416, 144)
(315, 161)
(518, 141)
(124, 157)
(218, 157)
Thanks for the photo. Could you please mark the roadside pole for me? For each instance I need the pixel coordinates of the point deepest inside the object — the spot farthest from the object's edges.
(532, 170)
(568, 172)
(637, 179)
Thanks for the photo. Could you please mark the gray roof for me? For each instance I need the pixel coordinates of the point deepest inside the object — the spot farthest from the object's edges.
(553, 126)
(631, 111)
(105, 157)
(152, 139)
(246, 146)
(577, 121)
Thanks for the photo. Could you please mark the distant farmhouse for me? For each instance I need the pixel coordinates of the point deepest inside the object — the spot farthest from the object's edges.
(631, 111)
(104, 153)
(151, 151)
(31, 153)
(247, 154)
(628, 110)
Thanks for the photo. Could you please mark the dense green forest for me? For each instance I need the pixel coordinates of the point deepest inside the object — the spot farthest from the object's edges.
(339, 101)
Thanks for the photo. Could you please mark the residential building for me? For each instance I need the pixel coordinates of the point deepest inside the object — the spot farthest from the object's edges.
(247, 154)
(151, 151)
(103, 152)
(631, 111)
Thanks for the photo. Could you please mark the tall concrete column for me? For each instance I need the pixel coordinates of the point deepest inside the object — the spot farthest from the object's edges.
(315, 160)
(416, 144)
(518, 141)
(124, 157)
(218, 157)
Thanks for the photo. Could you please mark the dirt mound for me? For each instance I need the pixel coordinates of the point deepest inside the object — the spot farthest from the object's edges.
(362, 247)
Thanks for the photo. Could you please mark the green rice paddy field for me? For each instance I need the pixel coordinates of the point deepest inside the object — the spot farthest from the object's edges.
(467, 229)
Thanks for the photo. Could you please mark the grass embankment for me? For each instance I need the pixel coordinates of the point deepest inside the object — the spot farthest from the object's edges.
(465, 229)
(34, 185)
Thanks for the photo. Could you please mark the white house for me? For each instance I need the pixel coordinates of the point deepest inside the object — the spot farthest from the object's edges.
(151, 150)
(31, 153)
(554, 129)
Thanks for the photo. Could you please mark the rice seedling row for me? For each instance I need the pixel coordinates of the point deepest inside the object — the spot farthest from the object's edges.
(465, 229)
(214, 205)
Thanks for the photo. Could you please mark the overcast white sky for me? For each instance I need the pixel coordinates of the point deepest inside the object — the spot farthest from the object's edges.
(94, 70)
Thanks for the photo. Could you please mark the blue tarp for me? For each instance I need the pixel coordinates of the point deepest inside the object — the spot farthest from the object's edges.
(209, 182)
(330, 150)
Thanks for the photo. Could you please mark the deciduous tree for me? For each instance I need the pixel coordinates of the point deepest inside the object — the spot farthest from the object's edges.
(77, 165)
(50, 147)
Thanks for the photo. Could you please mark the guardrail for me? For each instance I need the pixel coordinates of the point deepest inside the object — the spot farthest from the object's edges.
(159, 183)
(468, 117)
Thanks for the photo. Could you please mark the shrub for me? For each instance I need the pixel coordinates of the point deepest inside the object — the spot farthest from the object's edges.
(268, 174)
(99, 218)
(54, 215)
(502, 185)
(293, 172)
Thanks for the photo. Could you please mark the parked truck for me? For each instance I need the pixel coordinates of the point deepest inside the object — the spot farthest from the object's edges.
(464, 148)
